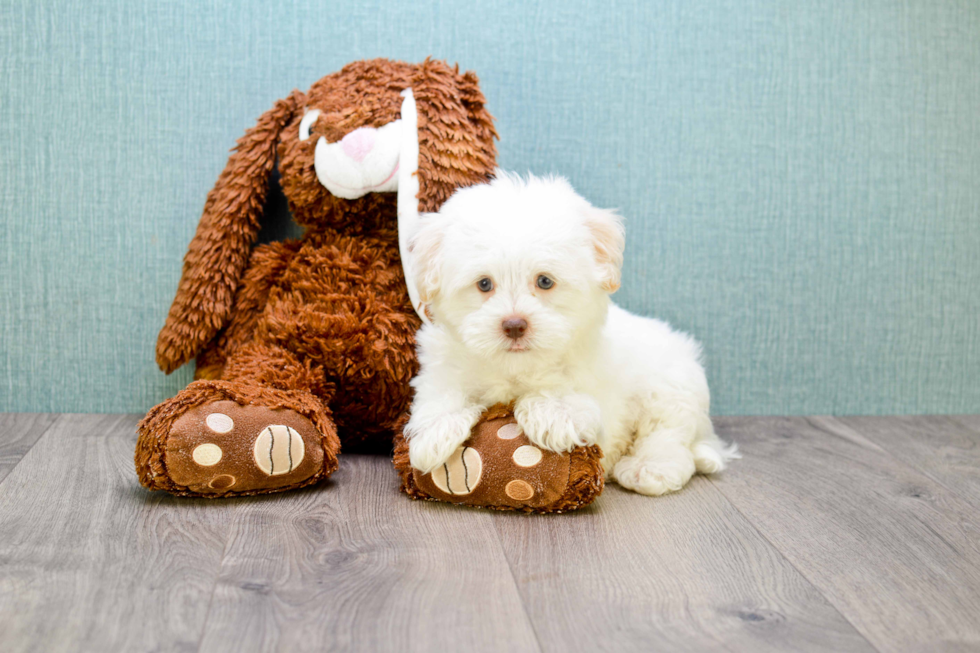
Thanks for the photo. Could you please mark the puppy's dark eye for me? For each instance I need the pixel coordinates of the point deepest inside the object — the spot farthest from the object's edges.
(545, 282)
(485, 284)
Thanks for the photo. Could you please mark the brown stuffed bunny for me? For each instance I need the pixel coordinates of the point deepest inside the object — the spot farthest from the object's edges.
(306, 343)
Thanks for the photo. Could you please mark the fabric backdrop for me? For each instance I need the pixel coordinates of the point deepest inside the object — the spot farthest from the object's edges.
(801, 180)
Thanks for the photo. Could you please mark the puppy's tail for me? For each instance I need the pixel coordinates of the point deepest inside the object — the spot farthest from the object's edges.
(713, 455)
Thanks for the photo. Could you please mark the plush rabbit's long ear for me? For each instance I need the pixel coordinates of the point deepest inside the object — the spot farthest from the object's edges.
(228, 229)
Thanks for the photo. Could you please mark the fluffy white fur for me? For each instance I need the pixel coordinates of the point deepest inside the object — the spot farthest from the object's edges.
(585, 372)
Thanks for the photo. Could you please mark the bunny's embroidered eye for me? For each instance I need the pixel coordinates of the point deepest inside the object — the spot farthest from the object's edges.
(545, 282)
(485, 284)
(306, 124)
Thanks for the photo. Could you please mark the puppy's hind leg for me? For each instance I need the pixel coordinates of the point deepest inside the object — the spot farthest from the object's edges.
(674, 440)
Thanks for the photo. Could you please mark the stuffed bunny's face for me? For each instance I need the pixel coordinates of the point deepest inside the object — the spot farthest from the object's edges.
(363, 161)
(340, 155)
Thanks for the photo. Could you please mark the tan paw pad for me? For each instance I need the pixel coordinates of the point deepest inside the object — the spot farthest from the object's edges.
(461, 473)
(278, 450)
(509, 431)
(219, 422)
(527, 456)
(222, 482)
(519, 490)
(207, 454)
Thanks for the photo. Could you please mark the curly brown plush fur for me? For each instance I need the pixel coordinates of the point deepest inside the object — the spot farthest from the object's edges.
(321, 326)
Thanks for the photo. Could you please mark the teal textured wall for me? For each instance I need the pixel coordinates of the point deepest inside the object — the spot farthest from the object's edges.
(801, 179)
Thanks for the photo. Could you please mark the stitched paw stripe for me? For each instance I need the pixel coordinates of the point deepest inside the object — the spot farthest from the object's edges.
(461, 473)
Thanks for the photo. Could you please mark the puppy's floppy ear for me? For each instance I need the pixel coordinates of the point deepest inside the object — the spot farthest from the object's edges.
(219, 252)
(426, 249)
(608, 241)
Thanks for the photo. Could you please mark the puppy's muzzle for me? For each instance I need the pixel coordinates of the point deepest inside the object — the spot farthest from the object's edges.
(514, 327)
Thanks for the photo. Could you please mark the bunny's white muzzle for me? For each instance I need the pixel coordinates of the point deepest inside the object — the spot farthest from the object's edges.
(364, 161)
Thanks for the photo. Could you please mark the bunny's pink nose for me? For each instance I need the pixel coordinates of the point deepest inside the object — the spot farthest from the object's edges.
(358, 143)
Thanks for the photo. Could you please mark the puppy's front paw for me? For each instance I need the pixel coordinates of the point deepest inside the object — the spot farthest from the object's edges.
(559, 423)
(432, 442)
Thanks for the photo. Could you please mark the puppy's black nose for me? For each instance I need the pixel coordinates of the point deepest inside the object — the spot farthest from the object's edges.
(514, 327)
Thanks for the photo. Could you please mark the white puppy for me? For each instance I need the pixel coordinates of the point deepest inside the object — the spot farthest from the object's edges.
(517, 276)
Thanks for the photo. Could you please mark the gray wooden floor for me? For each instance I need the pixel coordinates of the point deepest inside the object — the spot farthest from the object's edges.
(854, 534)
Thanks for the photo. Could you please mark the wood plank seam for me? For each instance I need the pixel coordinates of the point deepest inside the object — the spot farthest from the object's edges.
(812, 582)
(517, 587)
(962, 420)
(917, 469)
(214, 587)
(47, 429)
(879, 503)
